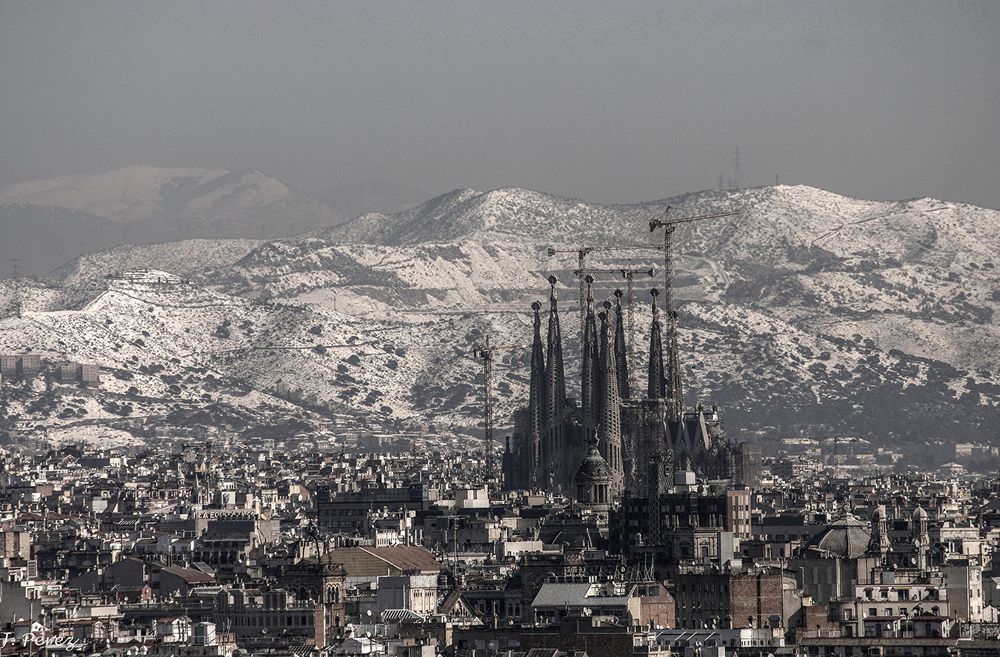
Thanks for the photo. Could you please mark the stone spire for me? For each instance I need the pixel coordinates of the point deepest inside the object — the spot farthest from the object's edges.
(656, 382)
(555, 379)
(536, 402)
(610, 430)
(675, 394)
(602, 365)
(590, 384)
(621, 350)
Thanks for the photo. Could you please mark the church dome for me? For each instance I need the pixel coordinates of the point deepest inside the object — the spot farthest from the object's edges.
(845, 537)
(594, 468)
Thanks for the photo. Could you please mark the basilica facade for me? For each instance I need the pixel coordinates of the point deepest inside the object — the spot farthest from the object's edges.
(642, 438)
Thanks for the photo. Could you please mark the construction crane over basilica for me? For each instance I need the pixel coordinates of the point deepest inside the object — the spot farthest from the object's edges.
(616, 442)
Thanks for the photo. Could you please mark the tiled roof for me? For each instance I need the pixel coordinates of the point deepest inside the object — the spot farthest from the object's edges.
(574, 594)
(407, 558)
(188, 575)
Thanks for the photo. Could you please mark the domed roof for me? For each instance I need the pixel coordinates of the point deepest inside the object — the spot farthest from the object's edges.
(593, 468)
(920, 514)
(845, 537)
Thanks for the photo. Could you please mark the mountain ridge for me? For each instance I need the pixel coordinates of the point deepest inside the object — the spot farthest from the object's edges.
(808, 312)
(147, 204)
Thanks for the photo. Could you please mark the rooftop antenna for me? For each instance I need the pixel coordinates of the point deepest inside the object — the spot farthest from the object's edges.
(669, 224)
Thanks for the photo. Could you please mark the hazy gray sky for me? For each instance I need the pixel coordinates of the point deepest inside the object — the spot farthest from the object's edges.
(607, 101)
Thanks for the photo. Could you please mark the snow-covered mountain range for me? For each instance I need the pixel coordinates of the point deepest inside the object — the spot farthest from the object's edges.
(804, 312)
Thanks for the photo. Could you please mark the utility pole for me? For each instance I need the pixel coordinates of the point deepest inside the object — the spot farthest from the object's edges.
(674, 392)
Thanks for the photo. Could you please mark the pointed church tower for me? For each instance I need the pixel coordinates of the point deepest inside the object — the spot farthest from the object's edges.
(610, 431)
(556, 471)
(536, 405)
(590, 383)
(555, 379)
(621, 349)
(675, 394)
(604, 340)
(656, 383)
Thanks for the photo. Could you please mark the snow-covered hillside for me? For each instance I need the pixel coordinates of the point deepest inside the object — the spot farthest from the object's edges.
(806, 311)
(183, 258)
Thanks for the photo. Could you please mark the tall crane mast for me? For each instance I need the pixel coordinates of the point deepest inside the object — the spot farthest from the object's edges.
(485, 354)
(669, 224)
(581, 259)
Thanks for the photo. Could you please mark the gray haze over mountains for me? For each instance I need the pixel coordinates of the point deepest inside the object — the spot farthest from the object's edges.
(607, 102)
(46, 223)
